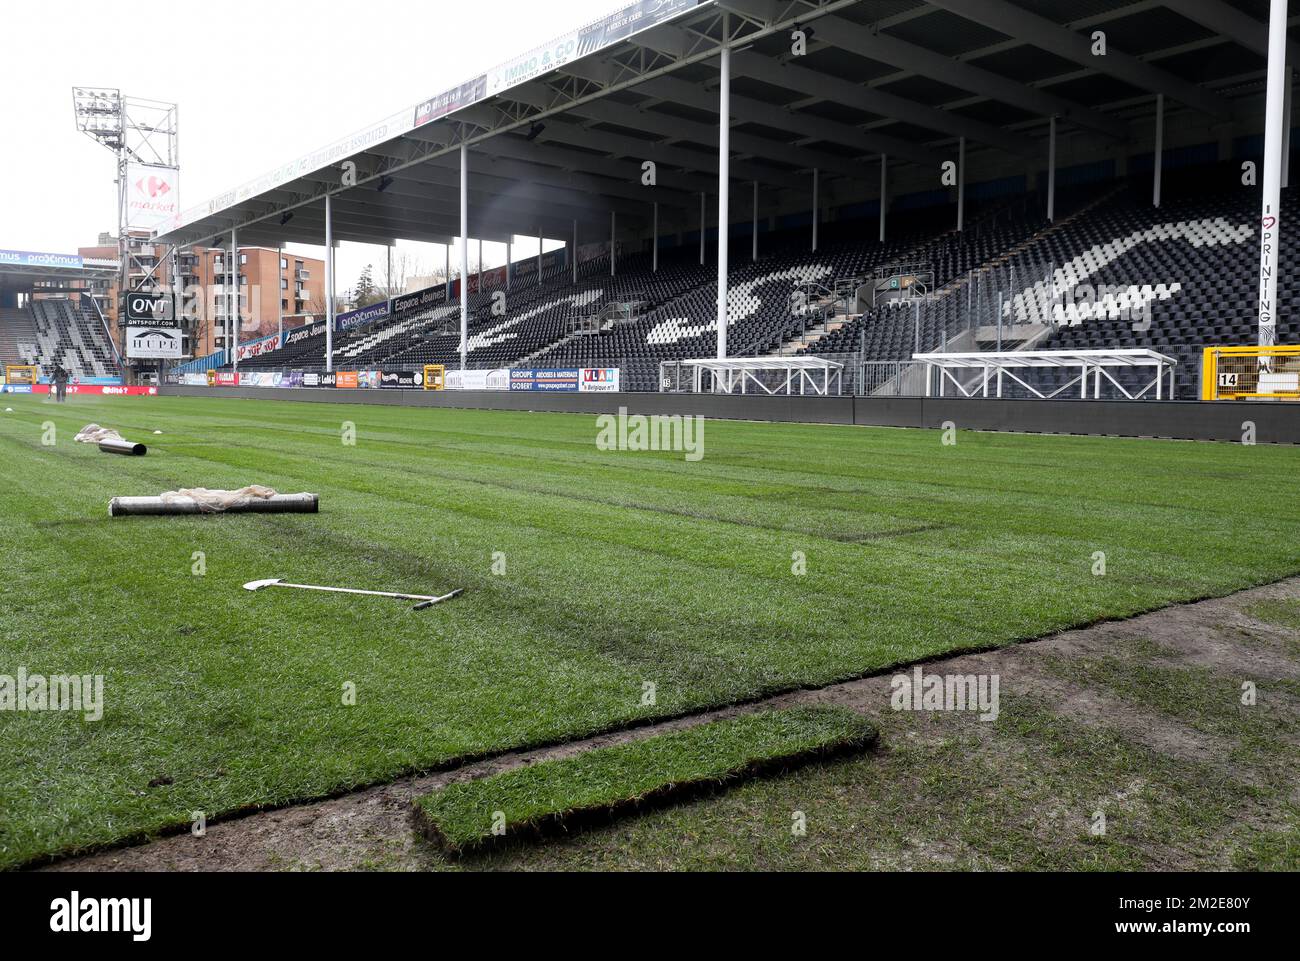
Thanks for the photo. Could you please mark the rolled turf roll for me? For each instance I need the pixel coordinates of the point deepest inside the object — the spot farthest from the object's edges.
(160, 506)
(119, 446)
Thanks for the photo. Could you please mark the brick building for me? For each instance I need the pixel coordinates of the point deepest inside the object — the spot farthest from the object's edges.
(274, 288)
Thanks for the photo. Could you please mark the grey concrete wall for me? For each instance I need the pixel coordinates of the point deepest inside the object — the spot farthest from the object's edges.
(1275, 423)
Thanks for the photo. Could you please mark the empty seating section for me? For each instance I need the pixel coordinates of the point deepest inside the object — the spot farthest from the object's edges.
(1178, 278)
(760, 308)
(70, 334)
(17, 336)
(1190, 267)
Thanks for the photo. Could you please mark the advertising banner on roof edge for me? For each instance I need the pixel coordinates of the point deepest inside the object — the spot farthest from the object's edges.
(617, 26)
(449, 101)
(607, 30)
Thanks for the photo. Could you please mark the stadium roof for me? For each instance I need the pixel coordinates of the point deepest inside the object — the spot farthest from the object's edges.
(560, 133)
(27, 266)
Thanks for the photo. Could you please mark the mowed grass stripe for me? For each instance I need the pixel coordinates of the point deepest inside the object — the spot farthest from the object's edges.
(237, 697)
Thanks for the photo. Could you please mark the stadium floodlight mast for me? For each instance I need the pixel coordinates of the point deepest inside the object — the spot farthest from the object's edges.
(136, 130)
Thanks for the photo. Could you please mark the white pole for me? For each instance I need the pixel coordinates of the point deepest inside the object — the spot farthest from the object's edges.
(1286, 133)
(464, 254)
(329, 284)
(388, 282)
(1158, 158)
(612, 233)
(884, 170)
(815, 205)
(480, 265)
(575, 251)
(509, 262)
(279, 302)
(961, 182)
(701, 228)
(1271, 232)
(724, 194)
(446, 272)
(754, 238)
(539, 256)
(1051, 169)
(654, 248)
(232, 302)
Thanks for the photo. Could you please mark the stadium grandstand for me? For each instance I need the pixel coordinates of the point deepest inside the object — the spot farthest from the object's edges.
(49, 316)
(862, 474)
(863, 182)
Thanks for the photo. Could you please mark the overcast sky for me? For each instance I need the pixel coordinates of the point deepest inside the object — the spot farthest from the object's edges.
(307, 74)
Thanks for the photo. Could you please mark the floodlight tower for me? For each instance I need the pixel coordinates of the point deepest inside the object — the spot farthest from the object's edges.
(137, 131)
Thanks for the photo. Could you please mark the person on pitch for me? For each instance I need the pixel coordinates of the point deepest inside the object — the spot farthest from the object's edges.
(59, 380)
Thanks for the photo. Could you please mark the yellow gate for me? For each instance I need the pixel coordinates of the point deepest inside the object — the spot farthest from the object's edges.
(1251, 373)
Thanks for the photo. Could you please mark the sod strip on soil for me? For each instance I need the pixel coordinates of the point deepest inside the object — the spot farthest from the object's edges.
(536, 800)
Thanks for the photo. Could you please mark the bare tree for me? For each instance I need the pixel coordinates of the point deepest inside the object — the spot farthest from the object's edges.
(406, 265)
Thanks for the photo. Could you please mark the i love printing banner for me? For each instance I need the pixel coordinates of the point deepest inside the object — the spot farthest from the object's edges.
(102, 390)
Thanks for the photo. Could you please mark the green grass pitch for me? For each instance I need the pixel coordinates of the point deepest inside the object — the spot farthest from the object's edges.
(626, 575)
(606, 780)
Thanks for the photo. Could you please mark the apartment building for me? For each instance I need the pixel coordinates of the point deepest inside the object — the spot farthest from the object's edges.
(275, 287)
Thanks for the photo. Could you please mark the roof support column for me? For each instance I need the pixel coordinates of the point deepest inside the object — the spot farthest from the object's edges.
(961, 183)
(279, 287)
(817, 203)
(754, 231)
(724, 190)
(884, 185)
(480, 265)
(1157, 159)
(1271, 232)
(238, 308)
(701, 228)
(178, 293)
(329, 283)
(446, 271)
(464, 254)
(1051, 169)
(1286, 132)
(612, 232)
(509, 262)
(575, 251)
(654, 246)
(232, 301)
(539, 256)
